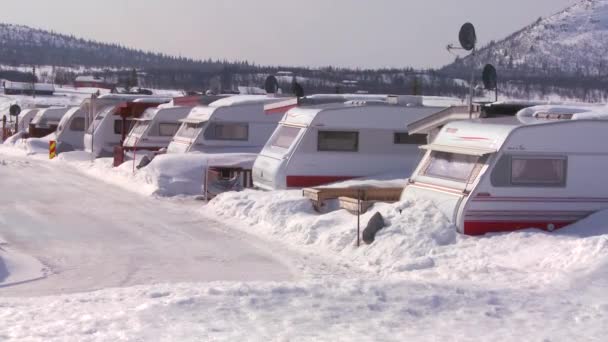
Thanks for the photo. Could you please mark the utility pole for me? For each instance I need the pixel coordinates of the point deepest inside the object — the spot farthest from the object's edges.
(34, 81)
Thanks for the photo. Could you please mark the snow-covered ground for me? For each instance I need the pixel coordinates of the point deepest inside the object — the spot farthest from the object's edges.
(87, 254)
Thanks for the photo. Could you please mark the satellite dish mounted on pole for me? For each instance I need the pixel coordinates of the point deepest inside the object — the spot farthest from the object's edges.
(468, 42)
(271, 85)
(490, 79)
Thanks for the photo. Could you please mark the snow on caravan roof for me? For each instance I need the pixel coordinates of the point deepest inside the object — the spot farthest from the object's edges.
(379, 115)
(555, 111)
(245, 99)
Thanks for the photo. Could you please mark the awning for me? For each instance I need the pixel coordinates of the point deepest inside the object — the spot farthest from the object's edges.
(473, 151)
(191, 120)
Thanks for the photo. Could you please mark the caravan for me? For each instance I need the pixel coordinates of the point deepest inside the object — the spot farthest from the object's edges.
(25, 118)
(46, 121)
(328, 143)
(232, 124)
(505, 174)
(111, 126)
(155, 129)
(71, 128)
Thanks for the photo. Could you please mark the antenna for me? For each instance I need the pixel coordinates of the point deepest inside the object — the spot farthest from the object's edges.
(271, 85)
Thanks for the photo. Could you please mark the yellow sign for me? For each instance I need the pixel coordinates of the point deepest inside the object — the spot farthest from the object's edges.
(52, 149)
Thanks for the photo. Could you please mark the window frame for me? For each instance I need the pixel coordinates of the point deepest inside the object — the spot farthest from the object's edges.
(561, 184)
(320, 149)
(473, 174)
(210, 131)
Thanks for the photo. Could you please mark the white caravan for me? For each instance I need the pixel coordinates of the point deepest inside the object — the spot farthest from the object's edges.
(155, 129)
(46, 121)
(232, 124)
(542, 169)
(324, 144)
(71, 129)
(26, 117)
(112, 125)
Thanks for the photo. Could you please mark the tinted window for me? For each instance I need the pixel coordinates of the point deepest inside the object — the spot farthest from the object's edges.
(531, 171)
(452, 166)
(284, 136)
(167, 129)
(118, 126)
(409, 139)
(338, 141)
(189, 130)
(227, 131)
(77, 124)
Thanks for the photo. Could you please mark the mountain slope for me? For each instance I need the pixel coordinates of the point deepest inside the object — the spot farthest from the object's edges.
(573, 42)
(22, 45)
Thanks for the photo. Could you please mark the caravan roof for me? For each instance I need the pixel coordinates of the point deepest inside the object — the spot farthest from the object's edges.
(204, 113)
(343, 115)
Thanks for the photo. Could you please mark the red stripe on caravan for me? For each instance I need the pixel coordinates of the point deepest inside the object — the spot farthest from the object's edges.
(280, 110)
(307, 181)
(477, 228)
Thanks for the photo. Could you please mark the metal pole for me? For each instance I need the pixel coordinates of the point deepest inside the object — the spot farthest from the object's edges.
(92, 123)
(471, 87)
(358, 217)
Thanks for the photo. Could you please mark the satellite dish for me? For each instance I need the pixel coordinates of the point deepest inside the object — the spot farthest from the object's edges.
(297, 90)
(271, 85)
(467, 37)
(15, 110)
(489, 77)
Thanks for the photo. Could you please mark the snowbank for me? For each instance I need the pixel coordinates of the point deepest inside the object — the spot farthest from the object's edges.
(306, 311)
(167, 175)
(419, 242)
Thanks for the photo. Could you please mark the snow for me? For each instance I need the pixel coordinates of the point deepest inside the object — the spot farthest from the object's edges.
(94, 253)
(419, 242)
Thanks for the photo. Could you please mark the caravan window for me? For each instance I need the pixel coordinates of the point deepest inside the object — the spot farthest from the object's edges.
(167, 129)
(409, 139)
(338, 141)
(535, 171)
(77, 124)
(452, 166)
(118, 126)
(140, 127)
(189, 130)
(227, 131)
(284, 136)
(95, 124)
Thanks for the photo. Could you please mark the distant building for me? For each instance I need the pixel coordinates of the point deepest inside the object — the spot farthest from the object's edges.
(93, 82)
(21, 88)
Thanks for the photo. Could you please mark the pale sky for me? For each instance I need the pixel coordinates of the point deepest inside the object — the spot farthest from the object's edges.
(349, 33)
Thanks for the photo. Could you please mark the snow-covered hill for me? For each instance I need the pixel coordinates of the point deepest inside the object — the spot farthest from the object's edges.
(571, 42)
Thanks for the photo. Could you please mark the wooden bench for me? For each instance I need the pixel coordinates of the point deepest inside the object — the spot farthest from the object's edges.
(348, 197)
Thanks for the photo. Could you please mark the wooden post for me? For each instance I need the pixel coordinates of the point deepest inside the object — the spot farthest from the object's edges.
(3, 127)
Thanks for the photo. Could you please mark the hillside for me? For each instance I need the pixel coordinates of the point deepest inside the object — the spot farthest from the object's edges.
(30, 46)
(572, 42)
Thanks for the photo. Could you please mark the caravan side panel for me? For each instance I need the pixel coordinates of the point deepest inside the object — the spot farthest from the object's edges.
(546, 176)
